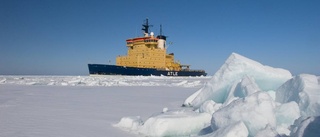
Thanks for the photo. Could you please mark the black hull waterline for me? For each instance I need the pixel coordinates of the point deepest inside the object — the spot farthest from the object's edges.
(101, 69)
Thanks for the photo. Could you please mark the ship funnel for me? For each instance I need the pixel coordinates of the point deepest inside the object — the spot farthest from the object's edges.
(161, 43)
(162, 39)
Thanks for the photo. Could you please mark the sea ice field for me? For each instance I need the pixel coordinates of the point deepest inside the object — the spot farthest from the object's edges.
(73, 106)
(243, 98)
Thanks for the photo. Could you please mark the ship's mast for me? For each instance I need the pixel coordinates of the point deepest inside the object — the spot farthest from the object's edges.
(161, 36)
(145, 27)
(160, 29)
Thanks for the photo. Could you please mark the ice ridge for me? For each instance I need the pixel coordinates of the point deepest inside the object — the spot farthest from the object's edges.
(232, 71)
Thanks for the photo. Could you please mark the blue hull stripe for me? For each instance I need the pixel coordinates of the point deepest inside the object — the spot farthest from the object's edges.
(101, 69)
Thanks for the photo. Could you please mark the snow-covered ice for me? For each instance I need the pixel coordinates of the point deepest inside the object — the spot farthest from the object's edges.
(243, 98)
(104, 81)
(74, 111)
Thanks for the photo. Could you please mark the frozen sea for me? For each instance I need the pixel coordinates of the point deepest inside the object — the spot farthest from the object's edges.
(244, 98)
(76, 106)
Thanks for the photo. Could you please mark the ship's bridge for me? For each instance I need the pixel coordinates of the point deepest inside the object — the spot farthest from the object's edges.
(142, 40)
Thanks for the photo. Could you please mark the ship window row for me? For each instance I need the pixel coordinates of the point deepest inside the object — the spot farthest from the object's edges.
(147, 55)
(128, 58)
(139, 62)
(151, 40)
(149, 66)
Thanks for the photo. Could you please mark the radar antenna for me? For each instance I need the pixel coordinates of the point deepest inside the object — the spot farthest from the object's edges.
(146, 26)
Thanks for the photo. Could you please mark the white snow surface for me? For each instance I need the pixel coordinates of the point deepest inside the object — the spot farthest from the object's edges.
(81, 110)
(105, 81)
(243, 98)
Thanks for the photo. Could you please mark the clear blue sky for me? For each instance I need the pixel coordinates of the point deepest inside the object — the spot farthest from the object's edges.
(59, 37)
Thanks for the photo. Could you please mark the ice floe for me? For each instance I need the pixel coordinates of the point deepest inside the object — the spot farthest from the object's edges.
(243, 98)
